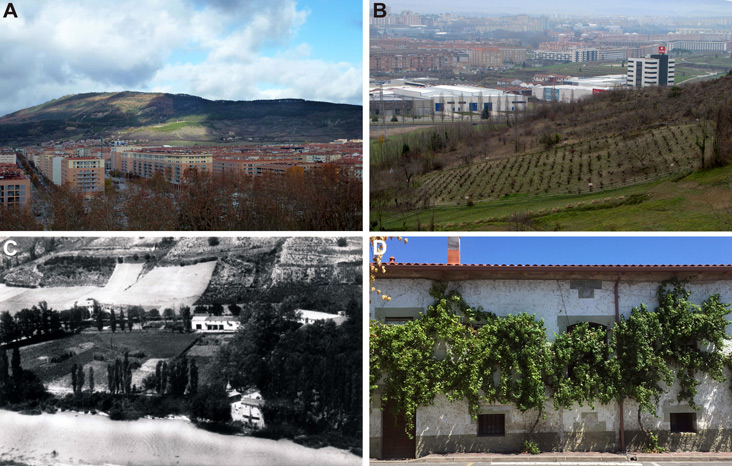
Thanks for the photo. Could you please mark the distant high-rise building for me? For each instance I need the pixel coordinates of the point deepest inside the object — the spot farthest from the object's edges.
(654, 70)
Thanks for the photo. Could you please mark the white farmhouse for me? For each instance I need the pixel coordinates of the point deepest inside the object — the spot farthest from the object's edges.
(561, 295)
(215, 324)
(246, 407)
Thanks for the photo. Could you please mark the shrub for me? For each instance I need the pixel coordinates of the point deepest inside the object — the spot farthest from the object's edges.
(99, 357)
(62, 357)
(651, 446)
(530, 446)
(150, 382)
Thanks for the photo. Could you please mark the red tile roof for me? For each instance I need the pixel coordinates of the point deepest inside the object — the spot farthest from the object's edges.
(449, 272)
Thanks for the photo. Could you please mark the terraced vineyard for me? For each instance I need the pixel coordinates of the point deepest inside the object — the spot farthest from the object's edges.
(574, 167)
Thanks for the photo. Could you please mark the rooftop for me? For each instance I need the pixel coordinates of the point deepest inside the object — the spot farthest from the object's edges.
(453, 272)
(9, 171)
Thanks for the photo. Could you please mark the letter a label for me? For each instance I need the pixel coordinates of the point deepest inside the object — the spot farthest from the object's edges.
(10, 11)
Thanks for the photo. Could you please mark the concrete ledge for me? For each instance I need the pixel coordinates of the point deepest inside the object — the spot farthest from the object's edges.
(569, 457)
(616, 458)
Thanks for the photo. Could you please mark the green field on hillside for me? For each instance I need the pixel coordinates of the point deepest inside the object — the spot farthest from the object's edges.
(698, 202)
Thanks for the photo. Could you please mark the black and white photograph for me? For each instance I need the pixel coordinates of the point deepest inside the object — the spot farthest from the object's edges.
(181, 350)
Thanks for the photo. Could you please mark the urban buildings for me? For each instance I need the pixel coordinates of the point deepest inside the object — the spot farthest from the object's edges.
(171, 162)
(15, 187)
(654, 70)
(7, 156)
(83, 174)
(402, 98)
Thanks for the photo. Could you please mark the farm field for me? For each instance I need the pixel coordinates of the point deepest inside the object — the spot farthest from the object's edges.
(56, 297)
(142, 347)
(697, 202)
(171, 286)
(162, 286)
(574, 167)
(204, 352)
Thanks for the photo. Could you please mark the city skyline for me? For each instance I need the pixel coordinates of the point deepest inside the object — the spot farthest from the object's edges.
(233, 50)
(596, 7)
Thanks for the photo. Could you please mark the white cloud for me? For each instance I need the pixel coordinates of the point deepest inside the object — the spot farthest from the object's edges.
(268, 78)
(74, 46)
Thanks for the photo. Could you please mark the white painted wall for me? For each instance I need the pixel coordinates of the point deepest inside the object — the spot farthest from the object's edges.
(548, 299)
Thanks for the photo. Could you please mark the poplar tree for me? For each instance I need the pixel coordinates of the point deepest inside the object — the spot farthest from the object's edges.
(193, 378)
(74, 381)
(80, 378)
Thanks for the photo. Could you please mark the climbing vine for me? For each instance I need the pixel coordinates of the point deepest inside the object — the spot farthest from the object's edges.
(584, 367)
(468, 354)
(442, 352)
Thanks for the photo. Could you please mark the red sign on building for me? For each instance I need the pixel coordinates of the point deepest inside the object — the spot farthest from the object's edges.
(662, 49)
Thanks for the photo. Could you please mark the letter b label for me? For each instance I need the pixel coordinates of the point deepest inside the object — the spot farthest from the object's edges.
(379, 10)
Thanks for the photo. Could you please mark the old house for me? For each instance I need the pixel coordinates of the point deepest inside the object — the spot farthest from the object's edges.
(215, 324)
(563, 296)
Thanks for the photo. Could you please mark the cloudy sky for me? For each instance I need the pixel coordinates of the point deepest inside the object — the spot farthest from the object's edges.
(217, 49)
(599, 7)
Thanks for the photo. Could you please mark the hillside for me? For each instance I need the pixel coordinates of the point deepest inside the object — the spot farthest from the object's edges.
(174, 271)
(158, 117)
(601, 153)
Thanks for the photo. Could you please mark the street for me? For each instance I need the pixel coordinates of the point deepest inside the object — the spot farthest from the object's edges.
(698, 462)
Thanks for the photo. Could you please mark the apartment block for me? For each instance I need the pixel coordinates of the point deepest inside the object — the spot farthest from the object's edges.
(7, 156)
(15, 188)
(83, 174)
(172, 163)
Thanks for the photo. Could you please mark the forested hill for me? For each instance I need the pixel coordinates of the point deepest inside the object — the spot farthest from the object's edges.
(180, 117)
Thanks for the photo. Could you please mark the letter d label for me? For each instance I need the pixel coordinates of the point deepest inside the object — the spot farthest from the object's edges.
(379, 247)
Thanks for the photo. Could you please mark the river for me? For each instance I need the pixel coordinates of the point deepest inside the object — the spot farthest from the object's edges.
(73, 439)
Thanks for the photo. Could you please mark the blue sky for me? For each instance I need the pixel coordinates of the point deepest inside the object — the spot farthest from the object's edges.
(568, 250)
(216, 49)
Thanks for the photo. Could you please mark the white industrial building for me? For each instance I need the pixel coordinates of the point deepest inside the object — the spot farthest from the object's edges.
(562, 296)
(574, 89)
(443, 101)
(654, 70)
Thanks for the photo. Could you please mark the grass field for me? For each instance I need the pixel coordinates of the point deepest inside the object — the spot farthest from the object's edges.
(580, 69)
(697, 202)
(56, 376)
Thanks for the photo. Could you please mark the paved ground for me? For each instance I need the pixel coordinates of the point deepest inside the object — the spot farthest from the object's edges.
(565, 463)
(571, 459)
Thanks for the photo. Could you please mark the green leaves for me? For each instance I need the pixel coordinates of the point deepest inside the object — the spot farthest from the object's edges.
(585, 368)
(509, 360)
